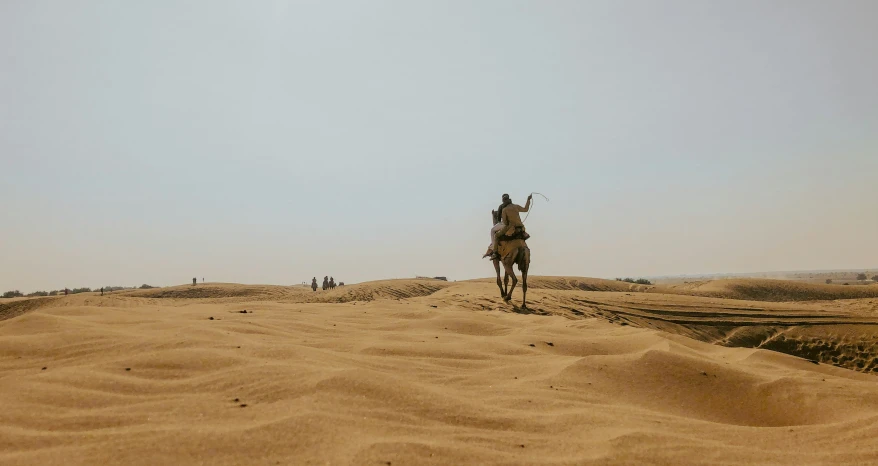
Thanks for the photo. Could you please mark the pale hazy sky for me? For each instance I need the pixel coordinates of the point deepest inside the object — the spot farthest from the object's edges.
(271, 141)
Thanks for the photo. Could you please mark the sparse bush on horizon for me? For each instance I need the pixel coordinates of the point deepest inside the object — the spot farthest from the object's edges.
(639, 281)
(829, 281)
(875, 278)
(861, 276)
(19, 294)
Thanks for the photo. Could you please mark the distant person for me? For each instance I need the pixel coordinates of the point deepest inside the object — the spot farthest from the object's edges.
(314, 284)
(102, 291)
(65, 291)
(194, 281)
(202, 280)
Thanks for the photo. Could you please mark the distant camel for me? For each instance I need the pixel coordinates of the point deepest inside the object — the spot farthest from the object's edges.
(512, 252)
(331, 283)
(325, 283)
(314, 284)
(342, 283)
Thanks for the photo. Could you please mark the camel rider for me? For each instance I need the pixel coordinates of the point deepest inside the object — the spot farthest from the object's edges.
(509, 216)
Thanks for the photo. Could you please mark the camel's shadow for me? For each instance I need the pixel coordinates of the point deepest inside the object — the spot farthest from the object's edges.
(529, 310)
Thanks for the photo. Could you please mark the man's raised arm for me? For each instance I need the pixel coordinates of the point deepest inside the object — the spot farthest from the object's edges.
(526, 204)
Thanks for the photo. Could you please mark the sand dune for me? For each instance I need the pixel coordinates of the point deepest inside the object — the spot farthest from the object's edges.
(428, 372)
(15, 307)
(753, 289)
(758, 289)
(584, 284)
(385, 289)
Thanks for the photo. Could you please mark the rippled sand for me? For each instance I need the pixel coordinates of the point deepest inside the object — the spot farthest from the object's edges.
(418, 372)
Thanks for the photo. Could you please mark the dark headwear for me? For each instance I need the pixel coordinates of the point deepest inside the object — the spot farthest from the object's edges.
(506, 202)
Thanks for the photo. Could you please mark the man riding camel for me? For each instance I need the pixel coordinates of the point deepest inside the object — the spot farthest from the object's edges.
(510, 223)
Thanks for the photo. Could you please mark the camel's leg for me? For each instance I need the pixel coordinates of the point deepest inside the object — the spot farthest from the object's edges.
(499, 283)
(510, 273)
(514, 282)
(523, 266)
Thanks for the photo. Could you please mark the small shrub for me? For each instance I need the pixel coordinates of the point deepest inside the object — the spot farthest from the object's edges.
(829, 281)
(861, 276)
(146, 287)
(80, 290)
(53, 293)
(639, 281)
(37, 293)
(875, 278)
(13, 294)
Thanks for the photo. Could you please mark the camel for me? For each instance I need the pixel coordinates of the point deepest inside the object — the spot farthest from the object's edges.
(314, 284)
(512, 252)
(340, 283)
(331, 283)
(515, 254)
(325, 283)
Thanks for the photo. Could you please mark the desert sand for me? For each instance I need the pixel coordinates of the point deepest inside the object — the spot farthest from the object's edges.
(409, 372)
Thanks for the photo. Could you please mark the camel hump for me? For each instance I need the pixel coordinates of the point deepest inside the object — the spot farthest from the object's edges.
(505, 248)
